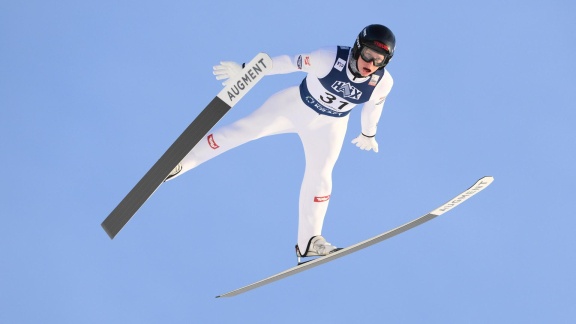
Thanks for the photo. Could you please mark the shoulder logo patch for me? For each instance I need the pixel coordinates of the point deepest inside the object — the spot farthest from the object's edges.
(340, 64)
(374, 80)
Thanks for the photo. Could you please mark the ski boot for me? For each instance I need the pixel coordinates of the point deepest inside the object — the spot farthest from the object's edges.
(317, 246)
(174, 172)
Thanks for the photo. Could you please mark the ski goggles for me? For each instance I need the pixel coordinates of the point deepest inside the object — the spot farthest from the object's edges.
(370, 55)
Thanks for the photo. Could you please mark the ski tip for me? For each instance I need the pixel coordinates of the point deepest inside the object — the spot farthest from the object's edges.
(487, 180)
(480, 185)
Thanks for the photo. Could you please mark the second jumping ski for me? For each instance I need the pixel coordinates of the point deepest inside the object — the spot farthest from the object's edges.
(460, 198)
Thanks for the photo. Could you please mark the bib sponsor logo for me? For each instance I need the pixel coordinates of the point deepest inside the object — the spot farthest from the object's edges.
(347, 90)
(212, 142)
(312, 103)
(374, 80)
(340, 64)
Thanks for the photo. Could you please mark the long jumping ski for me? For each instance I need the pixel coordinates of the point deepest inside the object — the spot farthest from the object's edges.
(229, 96)
(476, 188)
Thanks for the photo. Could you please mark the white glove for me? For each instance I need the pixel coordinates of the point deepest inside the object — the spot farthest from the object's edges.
(227, 70)
(366, 143)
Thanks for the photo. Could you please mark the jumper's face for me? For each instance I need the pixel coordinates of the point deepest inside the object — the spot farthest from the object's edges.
(369, 61)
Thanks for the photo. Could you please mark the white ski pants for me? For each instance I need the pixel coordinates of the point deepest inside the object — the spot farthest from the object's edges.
(321, 136)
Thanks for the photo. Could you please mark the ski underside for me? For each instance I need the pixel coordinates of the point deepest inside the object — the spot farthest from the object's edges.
(234, 90)
(460, 198)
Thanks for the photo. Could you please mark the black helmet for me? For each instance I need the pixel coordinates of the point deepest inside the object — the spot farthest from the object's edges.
(377, 37)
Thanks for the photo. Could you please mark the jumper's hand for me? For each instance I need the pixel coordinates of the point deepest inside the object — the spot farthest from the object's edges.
(366, 143)
(226, 71)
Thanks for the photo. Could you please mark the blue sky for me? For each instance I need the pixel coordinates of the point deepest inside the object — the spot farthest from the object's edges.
(93, 92)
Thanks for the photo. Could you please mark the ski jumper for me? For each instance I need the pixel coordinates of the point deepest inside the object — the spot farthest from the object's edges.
(317, 110)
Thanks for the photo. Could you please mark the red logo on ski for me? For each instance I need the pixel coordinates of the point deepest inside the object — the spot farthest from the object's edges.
(212, 142)
(322, 199)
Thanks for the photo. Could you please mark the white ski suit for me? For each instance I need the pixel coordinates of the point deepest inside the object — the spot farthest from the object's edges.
(317, 111)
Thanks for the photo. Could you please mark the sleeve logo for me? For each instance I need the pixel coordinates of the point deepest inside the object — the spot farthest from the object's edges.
(322, 199)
